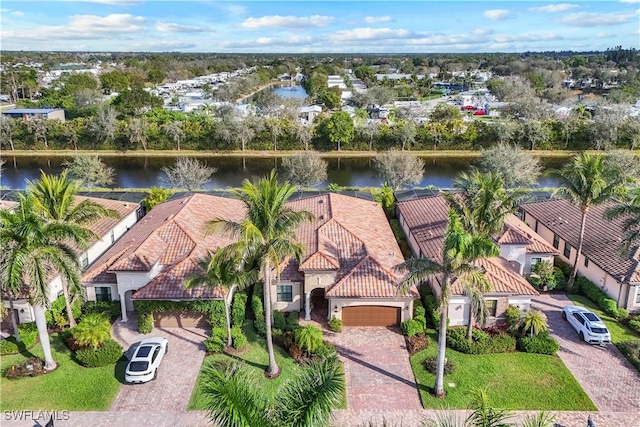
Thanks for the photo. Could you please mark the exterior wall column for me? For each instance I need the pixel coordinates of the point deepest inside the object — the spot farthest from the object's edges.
(123, 307)
(307, 306)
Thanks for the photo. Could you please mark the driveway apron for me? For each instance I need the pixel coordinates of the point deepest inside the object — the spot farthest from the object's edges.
(177, 374)
(603, 372)
(377, 369)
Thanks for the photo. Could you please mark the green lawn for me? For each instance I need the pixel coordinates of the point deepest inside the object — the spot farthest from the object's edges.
(70, 387)
(514, 381)
(619, 331)
(254, 358)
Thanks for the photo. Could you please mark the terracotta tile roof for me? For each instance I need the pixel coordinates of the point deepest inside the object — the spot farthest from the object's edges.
(536, 244)
(512, 236)
(353, 237)
(8, 204)
(104, 225)
(427, 218)
(502, 278)
(172, 235)
(601, 237)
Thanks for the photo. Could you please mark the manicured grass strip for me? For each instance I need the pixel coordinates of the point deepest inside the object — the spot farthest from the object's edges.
(619, 331)
(520, 381)
(70, 387)
(253, 358)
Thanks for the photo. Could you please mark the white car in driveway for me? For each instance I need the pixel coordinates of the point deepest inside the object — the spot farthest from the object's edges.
(589, 326)
(143, 366)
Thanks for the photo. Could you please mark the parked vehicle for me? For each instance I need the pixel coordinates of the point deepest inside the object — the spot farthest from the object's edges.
(588, 325)
(143, 366)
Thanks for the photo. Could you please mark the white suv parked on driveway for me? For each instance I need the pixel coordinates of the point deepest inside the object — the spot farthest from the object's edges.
(589, 326)
(143, 366)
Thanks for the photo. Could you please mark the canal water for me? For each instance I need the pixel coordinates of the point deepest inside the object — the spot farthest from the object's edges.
(145, 172)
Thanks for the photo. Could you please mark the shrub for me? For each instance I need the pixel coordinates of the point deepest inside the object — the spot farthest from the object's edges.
(335, 324)
(534, 322)
(631, 350)
(279, 321)
(481, 343)
(217, 341)
(217, 317)
(309, 338)
(609, 306)
(412, 327)
(541, 344)
(422, 320)
(107, 354)
(238, 308)
(431, 307)
(563, 267)
(561, 281)
(145, 323)
(634, 323)
(238, 338)
(622, 314)
(431, 364)
(544, 274)
(260, 326)
(416, 343)
(256, 302)
(418, 309)
(28, 337)
(112, 309)
(597, 296)
(31, 367)
(93, 330)
(512, 315)
(293, 320)
(56, 315)
(326, 351)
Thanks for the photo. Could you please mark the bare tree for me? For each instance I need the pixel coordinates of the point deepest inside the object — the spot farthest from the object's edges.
(138, 131)
(405, 133)
(188, 173)
(304, 134)
(90, 171)
(38, 127)
(626, 162)
(399, 168)
(6, 130)
(305, 169)
(369, 131)
(515, 166)
(103, 125)
(175, 131)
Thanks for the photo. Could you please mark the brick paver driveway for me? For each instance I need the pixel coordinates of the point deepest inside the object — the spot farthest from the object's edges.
(603, 372)
(177, 374)
(377, 369)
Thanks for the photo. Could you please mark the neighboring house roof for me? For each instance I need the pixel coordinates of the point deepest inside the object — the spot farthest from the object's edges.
(353, 238)
(171, 235)
(517, 232)
(602, 237)
(31, 110)
(427, 219)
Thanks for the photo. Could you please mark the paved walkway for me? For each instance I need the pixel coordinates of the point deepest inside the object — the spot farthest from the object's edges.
(177, 374)
(377, 369)
(611, 382)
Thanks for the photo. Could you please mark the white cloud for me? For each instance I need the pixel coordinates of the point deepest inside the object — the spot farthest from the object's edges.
(287, 21)
(553, 8)
(167, 27)
(497, 14)
(234, 9)
(629, 1)
(377, 19)
(526, 37)
(11, 12)
(270, 41)
(168, 45)
(585, 19)
(481, 31)
(369, 34)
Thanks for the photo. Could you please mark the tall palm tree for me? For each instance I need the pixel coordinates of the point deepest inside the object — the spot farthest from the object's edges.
(587, 181)
(34, 250)
(223, 268)
(459, 252)
(54, 199)
(630, 211)
(482, 202)
(306, 401)
(267, 235)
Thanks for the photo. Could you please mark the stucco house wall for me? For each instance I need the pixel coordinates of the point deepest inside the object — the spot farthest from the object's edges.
(294, 304)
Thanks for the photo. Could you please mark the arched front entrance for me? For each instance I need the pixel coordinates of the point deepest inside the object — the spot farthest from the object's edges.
(319, 305)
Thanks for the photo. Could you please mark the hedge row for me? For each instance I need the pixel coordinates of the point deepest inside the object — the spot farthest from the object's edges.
(107, 354)
(601, 299)
(113, 308)
(28, 337)
(202, 306)
(541, 344)
(481, 343)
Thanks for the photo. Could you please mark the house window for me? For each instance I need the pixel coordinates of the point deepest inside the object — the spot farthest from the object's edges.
(534, 261)
(103, 294)
(556, 241)
(285, 293)
(637, 294)
(84, 260)
(586, 262)
(491, 306)
(567, 250)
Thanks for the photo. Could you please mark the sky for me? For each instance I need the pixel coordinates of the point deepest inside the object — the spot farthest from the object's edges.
(318, 26)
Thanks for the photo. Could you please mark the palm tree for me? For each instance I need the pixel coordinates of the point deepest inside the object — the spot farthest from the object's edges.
(587, 181)
(223, 268)
(459, 252)
(267, 235)
(630, 211)
(34, 250)
(54, 200)
(233, 399)
(477, 308)
(534, 322)
(483, 415)
(93, 330)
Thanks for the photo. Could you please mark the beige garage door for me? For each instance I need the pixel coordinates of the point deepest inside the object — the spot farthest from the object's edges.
(371, 315)
(176, 319)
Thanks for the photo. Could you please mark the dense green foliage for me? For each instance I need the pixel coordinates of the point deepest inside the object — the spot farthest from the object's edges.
(28, 336)
(598, 296)
(145, 323)
(238, 338)
(413, 326)
(108, 353)
(93, 330)
(113, 309)
(335, 324)
(216, 342)
(57, 316)
(309, 338)
(631, 350)
(156, 196)
(541, 344)
(199, 306)
(238, 308)
(482, 342)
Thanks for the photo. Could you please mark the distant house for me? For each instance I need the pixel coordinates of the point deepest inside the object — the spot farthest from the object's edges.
(309, 113)
(558, 222)
(424, 222)
(109, 230)
(29, 113)
(347, 270)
